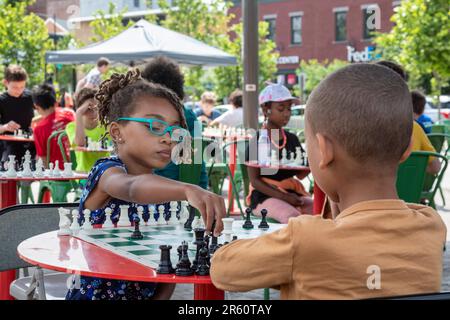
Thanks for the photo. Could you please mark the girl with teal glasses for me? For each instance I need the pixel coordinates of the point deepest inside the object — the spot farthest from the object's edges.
(145, 122)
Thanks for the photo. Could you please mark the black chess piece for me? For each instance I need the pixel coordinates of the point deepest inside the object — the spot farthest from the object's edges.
(263, 224)
(188, 223)
(206, 244)
(184, 264)
(203, 268)
(248, 222)
(165, 265)
(136, 235)
(234, 238)
(199, 239)
(213, 247)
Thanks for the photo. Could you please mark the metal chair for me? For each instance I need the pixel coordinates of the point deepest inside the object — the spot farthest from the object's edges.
(33, 219)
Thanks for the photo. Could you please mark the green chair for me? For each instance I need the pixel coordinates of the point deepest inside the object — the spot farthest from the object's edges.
(437, 139)
(438, 128)
(432, 182)
(411, 176)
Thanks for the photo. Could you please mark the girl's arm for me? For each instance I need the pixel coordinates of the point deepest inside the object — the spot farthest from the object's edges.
(255, 178)
(149, 188)
(80, 136)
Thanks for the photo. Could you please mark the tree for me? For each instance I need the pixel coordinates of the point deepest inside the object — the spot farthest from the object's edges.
(419, 41)
(108, 25)
(314, 71)
(24, 39)
(227, 79)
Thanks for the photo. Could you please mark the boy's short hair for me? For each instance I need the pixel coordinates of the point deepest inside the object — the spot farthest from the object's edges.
(236, 98)
(83, 95)
(208, 97)
(44, 96)
(394, 67)
(102, 62)
(166, 72)
(418, 101)
(366, 109)
(15, 73)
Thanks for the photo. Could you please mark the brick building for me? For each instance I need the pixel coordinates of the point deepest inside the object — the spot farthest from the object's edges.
(321, 29)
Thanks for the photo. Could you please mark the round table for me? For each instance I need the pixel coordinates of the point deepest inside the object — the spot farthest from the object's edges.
(7, 137)
(255, 164)
(71, 255)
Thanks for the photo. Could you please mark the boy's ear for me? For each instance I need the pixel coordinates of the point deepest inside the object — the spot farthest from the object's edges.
(407, 152)
(5, 83)
(326, 150)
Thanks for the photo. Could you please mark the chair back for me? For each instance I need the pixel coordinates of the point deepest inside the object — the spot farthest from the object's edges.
(438, 128)
(433, 181)
(56, 135)
(411, 176)
(20, 222)
(190, 173)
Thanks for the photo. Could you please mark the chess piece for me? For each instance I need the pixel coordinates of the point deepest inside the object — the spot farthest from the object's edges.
(56, 170)
(165, 265)
(11, 173)
(140, 212)
(124, 220)
(75, 226)
(227, 228)
(67, 170)
(184, 212)
(39, 172)
(64, 222)
(213, 247)
(263, 224)
(184, 264)
(284, 159)
(274, 161)
(203, 268)
(161, 220)
(50, 170)
(189, 221)
(26, 171)
(136, 235)
(151, 220)
(108, 219)
(173, 213)
(87, 225)
(248, 222)
(298, 156)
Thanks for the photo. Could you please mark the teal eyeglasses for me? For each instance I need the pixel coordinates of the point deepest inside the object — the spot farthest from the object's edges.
(160, 128)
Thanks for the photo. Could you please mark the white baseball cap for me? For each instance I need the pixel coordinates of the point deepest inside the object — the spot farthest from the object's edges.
(276, 93)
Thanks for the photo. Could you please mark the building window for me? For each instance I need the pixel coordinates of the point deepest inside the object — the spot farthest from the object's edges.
(368, 23)
(137, 3)
(296, 29)
(341, 25)
(272, 28)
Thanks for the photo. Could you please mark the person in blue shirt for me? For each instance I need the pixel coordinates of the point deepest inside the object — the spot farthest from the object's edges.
(419, 101)
(166, 72)
(206, 113)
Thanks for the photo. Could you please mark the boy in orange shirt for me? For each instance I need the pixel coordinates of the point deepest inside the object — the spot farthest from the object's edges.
(377, 245)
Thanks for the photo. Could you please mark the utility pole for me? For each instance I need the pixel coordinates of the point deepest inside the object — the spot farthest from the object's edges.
(250, 62)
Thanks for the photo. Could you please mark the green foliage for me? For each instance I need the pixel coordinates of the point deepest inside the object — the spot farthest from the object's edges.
(107, 25)
(227, 79)
(314, 71)
(24, 39)
(419, 41)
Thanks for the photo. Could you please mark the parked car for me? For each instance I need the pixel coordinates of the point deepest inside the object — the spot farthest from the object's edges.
(297, 120)
(431, 109)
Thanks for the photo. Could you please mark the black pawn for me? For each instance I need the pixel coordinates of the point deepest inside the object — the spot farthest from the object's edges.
(188, 223)
(263, 224)
(248, 222)
(203, 268)
(165, 265)
(184, 264)
(136, 235)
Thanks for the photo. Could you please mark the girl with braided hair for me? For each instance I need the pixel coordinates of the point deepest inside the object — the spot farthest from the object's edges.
(145, 123)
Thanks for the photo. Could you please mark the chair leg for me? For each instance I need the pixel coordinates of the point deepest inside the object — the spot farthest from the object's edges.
(266, 294)
(442, 195)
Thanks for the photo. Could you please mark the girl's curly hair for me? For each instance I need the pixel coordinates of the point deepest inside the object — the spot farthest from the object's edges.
(117, 96)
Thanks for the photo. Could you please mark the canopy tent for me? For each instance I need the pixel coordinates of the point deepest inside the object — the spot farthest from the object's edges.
(141, 42)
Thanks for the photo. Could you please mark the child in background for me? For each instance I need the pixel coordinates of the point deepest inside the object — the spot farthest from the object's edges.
(206, 113)
(419, 101)
(281, 194)
(145, 122)
(377, 245)
(235, 116)
(53, 119)
(85, 126)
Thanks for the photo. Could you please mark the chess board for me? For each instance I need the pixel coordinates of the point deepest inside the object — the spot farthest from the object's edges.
(146, 251)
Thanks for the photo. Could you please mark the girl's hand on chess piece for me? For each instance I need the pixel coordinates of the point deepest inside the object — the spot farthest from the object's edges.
(293, 199)
(210, 205)
(9, 127)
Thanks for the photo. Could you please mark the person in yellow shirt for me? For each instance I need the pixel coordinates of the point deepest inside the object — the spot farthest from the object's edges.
(377, 246)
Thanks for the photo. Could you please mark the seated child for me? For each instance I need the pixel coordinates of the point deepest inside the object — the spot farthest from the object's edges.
(377, 245)
(421, 118)
(281, 194)
(85, 126)
(145, 123)
(53, 119)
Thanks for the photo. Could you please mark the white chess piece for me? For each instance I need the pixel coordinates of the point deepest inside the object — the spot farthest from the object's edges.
(20, 133)
(161, 220)
(64, 222)
(274, 161)
(39, 172)
(140, 211)
(87, 225)
(49, 173)
(173, 213)
(227, 229)
(284, 159)
(151, 220)
(298, 156)
(75, 226)
(184, 212)
(26, 171)
(56, 170)
(108, 221)
(124, 220)
(67, 170)
(11, 173)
